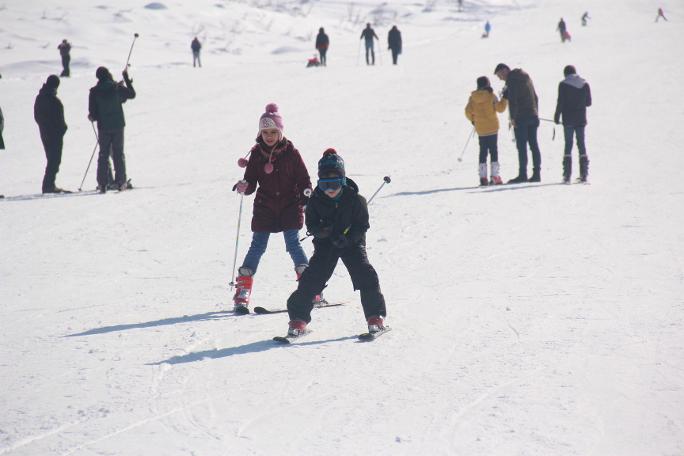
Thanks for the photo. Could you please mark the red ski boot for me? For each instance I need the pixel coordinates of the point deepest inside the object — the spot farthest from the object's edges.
(243, 291)
(296, 328)
(375, 324)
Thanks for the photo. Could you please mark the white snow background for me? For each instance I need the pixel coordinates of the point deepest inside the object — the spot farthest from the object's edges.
(538, 319)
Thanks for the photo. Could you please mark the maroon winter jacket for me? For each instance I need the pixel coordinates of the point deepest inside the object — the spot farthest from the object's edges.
(279, 201)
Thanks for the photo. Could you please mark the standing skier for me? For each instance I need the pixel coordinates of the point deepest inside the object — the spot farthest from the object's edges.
(64, 52)
(48, 112)
(585, 18)
(195, 45)
(394, 43)
(563, 29)
(574, 96)
(481, 111)
(104, 107)
(523, 109)
(322, 43)
(660, 14)
(487, 29)
(337, 217)
(278, 170)
(368, 34)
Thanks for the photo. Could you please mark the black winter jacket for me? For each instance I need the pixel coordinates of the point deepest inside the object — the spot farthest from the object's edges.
(327, 219)
(48, 112)
(574, 95)
(394, 39)
(322, 41)
(522, 99)
(104, 103)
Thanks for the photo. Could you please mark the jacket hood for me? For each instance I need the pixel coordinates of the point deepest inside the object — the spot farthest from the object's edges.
(574, 80)
(105, 86)
(47, 91)
(482, 95)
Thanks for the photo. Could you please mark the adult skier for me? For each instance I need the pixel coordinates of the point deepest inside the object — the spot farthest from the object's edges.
(660, 14)
(65, 53)
(523, 109)
(322, 43)
(48, 113)
(585, 18)
(574, 96)
(104, 107)
(337, 217)
(368, 35)
(394, 43)
(278, 174)
(487, 29)
(196, 46)
(563, 29)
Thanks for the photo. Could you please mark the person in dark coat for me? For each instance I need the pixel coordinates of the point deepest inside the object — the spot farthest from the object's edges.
(278, 174)
(322, 43)
(394, 43)
(574, 96)
(64, 52)
(2, 127)
(563, 30)
(523, 109)
(368, 34)
(104, 107)
(196, 46)
(337, 217)
(49, 115)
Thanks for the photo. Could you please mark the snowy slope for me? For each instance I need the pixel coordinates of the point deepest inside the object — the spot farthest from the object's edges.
(528, 320)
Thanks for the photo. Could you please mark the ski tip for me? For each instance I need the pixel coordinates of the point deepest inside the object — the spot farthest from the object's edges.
(261, 310)
(367, 337)
(281, 340)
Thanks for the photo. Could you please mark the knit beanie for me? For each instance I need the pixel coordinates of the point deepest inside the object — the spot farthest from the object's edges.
(52, 81)
(271, 118)
(568, 70)
(331, 163)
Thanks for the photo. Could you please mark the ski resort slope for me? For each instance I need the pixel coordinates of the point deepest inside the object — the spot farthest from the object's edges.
(536, 319)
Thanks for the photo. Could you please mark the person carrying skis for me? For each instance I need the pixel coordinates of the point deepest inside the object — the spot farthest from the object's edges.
(48, 112)
(574, 96)
(368, 34)
(104, 107)
(394, 43)
(64, 52)
(195, 45)
(660, 14)
(481, 112)
(523, 109)
(322, 43)
(563, 29)
(276, 168)
(337, 217)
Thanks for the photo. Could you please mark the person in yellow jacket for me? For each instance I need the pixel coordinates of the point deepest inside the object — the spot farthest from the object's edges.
(481, 112)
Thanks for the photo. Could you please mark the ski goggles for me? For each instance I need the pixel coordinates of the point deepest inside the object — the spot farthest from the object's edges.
(333, 183)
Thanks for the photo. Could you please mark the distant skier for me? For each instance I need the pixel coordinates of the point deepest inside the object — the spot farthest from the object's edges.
(65, 53)
(104, 107)
(337, 217)
(585, 18)
(394, 43)
(369, 35)
(574, 96)
(196, 46)
(278, 174)
(481, 112)
(523, 109)
(322, 43)
(48, 113)
(660, 14)
(2, 127)
(487, 29)
(563, 29)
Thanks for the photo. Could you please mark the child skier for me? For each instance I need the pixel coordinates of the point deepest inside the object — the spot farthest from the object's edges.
(283, 188)
(481, 111)
(337, 217)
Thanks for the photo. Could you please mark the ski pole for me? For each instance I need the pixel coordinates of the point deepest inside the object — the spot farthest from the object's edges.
(237, 239)
(385, 180)
(553, 135)
(472, 132)
(97, 141)
(135, 36)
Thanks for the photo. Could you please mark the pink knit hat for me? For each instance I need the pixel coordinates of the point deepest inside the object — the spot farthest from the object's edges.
(271, 118)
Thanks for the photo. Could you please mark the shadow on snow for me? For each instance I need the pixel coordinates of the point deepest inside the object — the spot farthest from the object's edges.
(478, 189)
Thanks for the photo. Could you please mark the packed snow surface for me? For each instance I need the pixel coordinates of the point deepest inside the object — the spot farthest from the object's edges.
(537, 319)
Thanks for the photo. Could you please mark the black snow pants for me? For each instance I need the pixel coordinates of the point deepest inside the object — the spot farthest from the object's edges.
(52, 143)
(321, 267)
(111, 141)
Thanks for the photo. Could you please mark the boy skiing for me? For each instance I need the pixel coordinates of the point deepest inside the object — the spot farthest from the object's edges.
(337, 217)
(481, 111)
(278, 170)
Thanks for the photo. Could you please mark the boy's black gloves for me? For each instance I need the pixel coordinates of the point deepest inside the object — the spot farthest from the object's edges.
(341, 241)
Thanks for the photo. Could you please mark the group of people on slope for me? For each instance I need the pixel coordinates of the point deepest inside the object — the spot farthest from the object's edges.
(336, 217)
(104, 107)
(574, 96)
(394, 44)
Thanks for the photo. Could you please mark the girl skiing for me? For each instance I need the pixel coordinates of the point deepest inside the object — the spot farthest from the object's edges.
(277, 169)
(481, 111)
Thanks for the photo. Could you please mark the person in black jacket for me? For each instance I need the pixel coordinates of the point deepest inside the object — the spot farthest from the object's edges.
(64, 51)
(368, 34)
(104, 107)
(49, 114)
(322, 43)
(394, 43)
(337, 217)
(574, 96)
(196, 46)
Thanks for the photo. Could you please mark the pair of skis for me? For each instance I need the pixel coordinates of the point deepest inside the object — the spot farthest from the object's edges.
(365, 337)
(264, 311)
